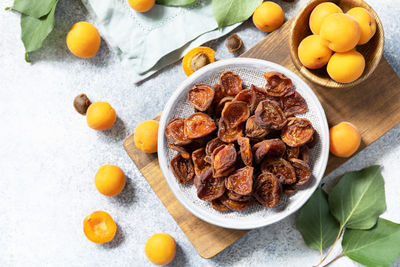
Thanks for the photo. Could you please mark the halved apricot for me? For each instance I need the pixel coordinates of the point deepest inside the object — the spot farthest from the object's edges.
(99, 227)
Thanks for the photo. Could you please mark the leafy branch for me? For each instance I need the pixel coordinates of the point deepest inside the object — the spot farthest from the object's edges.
(352, 209)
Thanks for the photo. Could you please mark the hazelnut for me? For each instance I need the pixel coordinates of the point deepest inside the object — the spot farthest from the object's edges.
(81, 103)
(233, 43)
(199, 61)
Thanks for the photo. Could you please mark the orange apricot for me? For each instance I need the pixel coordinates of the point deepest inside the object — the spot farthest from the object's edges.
(197, 58)
(146, 136)
(99, 227)
(100, 116)
(346, 67)
(268, 16)
(341, 31)
(141, 5)
(313, 52)
(344, 139)
(160, 248)
(109, 180)
(83, 40)
(319, 13)
(366, 21)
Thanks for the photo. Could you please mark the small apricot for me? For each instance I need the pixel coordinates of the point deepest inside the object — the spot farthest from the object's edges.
(268, 16)
(160, 248)
(366, 21)
(109, 180)
(99, 227)
(319, 13)
(141, 5)
(341, 31)
(100, 116)
(344, 139)
(83, 40)
(197, 58)
(313, 52)
(346, 67)
(146, 135)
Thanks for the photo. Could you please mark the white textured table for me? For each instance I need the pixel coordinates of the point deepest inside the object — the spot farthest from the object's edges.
(48, 156)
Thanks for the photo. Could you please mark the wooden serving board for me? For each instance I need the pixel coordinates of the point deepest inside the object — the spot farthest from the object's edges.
(373, 106)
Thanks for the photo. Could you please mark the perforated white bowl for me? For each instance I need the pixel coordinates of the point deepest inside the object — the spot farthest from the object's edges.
(251, 71)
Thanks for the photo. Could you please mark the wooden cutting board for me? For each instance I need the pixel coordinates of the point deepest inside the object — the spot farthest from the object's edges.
(373, 106)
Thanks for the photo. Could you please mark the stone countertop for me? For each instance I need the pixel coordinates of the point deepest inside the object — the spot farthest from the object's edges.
(49, 156)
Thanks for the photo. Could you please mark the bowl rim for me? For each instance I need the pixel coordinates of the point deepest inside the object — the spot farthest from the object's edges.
(333, 84)
(172, 183)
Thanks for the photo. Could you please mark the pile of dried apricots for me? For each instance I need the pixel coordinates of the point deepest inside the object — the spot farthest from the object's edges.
(243, 143)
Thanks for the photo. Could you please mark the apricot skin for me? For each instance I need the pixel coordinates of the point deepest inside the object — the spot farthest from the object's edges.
(141, 5)
(99, 227)
(319, 13)
(341, 31)
(268, 16)
(109, 180)
(344, 139)
(366, 22)
(346, 67)
(313, 52)
(146, 135)
(160, 248)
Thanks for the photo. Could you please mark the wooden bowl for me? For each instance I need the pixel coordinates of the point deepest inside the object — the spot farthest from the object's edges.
(372, 51)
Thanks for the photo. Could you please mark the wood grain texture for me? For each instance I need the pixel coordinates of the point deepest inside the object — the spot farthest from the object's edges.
(372, 51)
(373, 106)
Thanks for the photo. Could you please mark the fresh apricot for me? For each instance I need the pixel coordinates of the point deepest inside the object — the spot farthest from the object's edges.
(341, 31)
(344, 139)
(109, 180)
(366, 21)
(346, 67)
(319, 13)
(100, 116)
(160, 248)
(313, 52)
(197, 58)
(99, 227)
(146, 135)
(83, 40)
(141, 5)
(268, 16)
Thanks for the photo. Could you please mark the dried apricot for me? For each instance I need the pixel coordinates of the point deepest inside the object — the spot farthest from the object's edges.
(283, 170)
(235, 205)
(174, 131)
(248, 96)
(208, 187)
(185, 154)
(182, 169)
(198, 125)
(201, 96)
(269, 114)
(99, 227)
(302, 171)
(297, 132)
(277, 83)
(240, 181)
(227, 134)
(267, 192)
(237, 197)
(234, 113)
(272, 148)
(245, 150)
(292, 152)
(217, 205)
(223, 159)
(293, 103)
(305, 154)
(253, 130)
(231, 83)
(198, 158)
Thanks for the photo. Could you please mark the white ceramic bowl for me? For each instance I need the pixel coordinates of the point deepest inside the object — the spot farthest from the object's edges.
(251, 71)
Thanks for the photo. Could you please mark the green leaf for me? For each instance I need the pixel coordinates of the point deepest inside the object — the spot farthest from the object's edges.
(175, 2)
(34, 8)
(379, 246)
(317, 226)
(359, 198)
(34, 31)
(228, 12)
